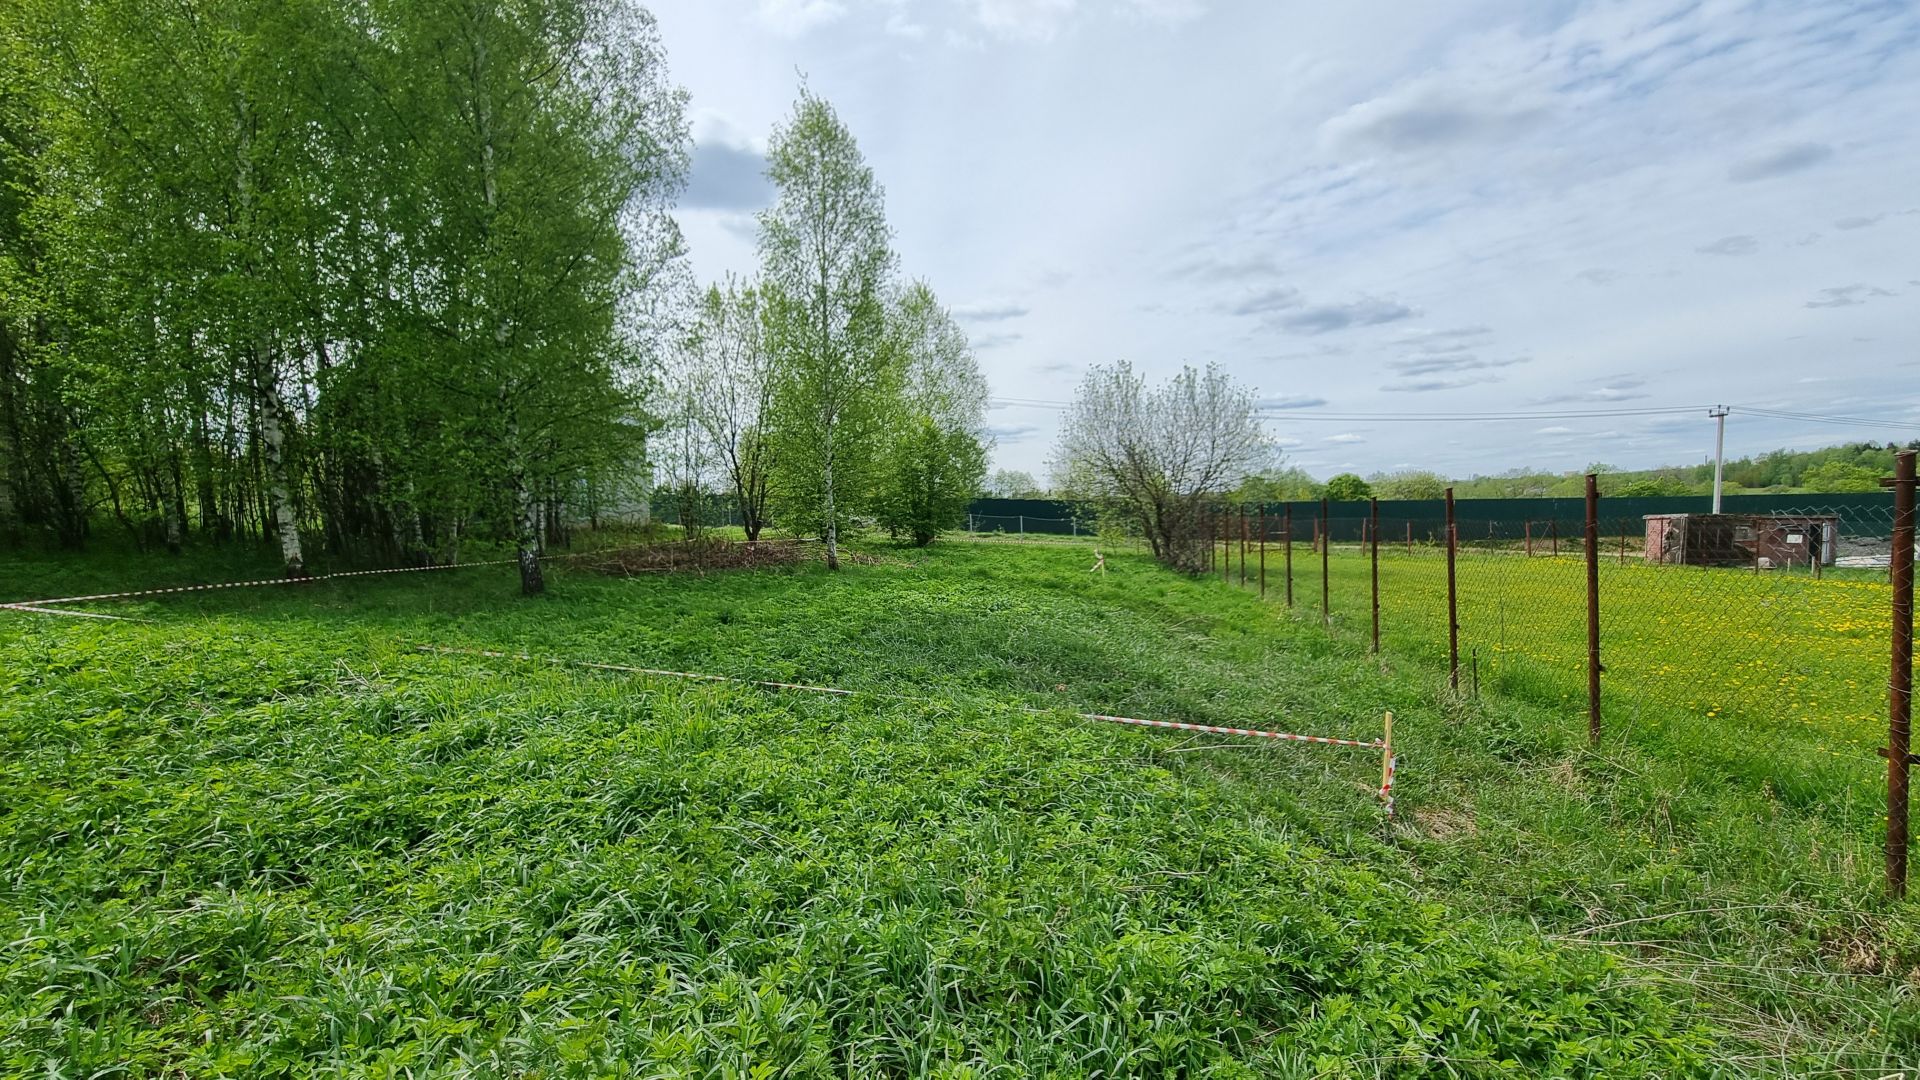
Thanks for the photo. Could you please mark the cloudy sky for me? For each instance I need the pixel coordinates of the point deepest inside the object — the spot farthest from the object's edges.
(1369, 210)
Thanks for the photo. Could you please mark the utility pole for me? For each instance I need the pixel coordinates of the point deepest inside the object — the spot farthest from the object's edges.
(1719, 413)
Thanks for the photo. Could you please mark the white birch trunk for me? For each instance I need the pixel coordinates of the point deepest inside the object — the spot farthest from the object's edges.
(279, 492)
(176, 525)
(833, 523)
(526, 525)
(526, 530)
(9, 509)
(266, 379)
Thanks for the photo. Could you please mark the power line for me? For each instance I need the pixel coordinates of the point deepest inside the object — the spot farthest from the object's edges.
(1406, 417)
(1821, 418)
(1317, 416)
(1028, 403)
(1473, 417)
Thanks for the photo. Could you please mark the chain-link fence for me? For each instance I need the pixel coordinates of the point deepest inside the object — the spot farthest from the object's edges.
(1758, 639)
(1025, 525)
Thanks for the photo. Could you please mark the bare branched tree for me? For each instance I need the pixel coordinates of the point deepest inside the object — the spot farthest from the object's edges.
(682, 454)
(1157, 457)
(735, 389)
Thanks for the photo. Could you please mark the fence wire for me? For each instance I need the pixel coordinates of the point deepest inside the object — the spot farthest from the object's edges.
(1026, 525)
(1755, 639)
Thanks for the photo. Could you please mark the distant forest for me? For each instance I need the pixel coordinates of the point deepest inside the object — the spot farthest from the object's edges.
(1852, 467)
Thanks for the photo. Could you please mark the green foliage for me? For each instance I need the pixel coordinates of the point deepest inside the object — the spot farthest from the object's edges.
(1649, 485)
(344, 855)
(378, 272)
(1013, 484)
(936, 461)
(1278, 485)
(932, 474)
(1410, 484)
(824, 251)
(1347, 487)
(1846, 468)
(1839, 475)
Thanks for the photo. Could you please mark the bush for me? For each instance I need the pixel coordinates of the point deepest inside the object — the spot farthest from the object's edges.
(1348, 487)
(933, 476)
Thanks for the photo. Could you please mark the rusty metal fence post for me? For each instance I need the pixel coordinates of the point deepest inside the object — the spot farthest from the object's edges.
(1899, 751)
(1593, 609)
(1263, 551)
(1226, 548)
(1288, 529)
(1326, 547)
(1453, 600)
(1243, 547)
(1373, 535)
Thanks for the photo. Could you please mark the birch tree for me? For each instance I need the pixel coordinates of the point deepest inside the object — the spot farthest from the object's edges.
(361, 276)
(182, 158)
(936, 448)
(548, 131)
(825, 254)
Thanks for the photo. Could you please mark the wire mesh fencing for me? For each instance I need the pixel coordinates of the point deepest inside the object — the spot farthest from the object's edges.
(1026, 525)
(1757, 640)
(1782, 621)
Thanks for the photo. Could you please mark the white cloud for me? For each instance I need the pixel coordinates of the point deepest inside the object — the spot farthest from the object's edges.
(1325, 318)
(1023, 20)
(901, 25)
(729, 166)
(1730, 245)
(1167, 11)
(1346, 437)
(1435, 115)
(995, 341)
(794, 17)
(1847, 296)
(1380, 220)
(1263, 301)
(1779, 161)
(990, 311)
(1290, 401)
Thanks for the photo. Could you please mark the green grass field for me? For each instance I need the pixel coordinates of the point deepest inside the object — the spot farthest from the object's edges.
(1780, 676)
(262, 833)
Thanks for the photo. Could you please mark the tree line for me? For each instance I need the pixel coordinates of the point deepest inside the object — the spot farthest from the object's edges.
(380, 277)
(1841, 469)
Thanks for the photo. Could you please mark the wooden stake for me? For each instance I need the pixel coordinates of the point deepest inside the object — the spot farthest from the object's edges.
(1386, 752)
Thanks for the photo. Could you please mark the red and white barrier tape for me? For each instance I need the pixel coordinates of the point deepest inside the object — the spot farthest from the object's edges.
(135, 593)
(1373, 744)
(38, 610)
(1386, 747)
(22, 605)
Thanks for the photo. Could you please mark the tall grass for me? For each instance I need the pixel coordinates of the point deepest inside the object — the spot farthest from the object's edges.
(263, 834)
